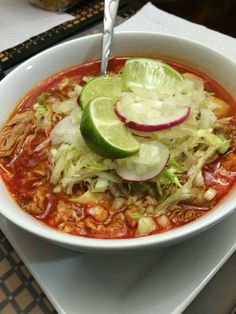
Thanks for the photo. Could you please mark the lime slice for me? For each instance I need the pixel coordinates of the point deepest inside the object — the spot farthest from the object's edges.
(148, 73)
(107, 86)
(104, 133)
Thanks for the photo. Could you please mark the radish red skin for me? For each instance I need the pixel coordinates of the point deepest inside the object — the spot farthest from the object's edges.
(148, 127)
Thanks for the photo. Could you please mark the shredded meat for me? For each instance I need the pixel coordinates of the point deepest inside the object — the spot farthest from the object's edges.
(223, 109)
(229, 162)
(15, 132)
(115, 228)
(180, 215)
(35, 202)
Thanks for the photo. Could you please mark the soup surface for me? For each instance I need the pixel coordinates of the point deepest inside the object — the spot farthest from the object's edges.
(183, 166)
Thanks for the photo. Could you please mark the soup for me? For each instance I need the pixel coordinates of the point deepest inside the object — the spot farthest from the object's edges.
(146, 149)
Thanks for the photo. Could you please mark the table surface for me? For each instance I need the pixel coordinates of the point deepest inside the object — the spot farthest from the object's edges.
(19, 292)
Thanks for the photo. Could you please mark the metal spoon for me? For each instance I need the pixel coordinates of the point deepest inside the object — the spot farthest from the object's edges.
(110, 11)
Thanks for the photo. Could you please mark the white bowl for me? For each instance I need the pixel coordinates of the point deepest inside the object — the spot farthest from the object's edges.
(38, 68)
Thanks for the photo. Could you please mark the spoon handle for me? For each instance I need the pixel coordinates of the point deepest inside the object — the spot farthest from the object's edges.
(110, 11)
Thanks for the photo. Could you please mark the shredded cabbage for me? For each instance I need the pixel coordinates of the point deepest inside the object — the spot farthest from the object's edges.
(40, 110)
(43, 114)
(145, 226)
(67, 131)
(169, 175)
(191, 144)
(184, 192)
(41, 98)
(73, 165)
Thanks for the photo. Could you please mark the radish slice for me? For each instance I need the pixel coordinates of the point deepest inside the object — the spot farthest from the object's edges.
(142, 118)
(141, 134)
(145, 165)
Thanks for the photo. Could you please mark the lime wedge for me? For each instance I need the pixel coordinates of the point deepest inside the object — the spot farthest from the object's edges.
(148, 73)
(104, 133)
(107, 86)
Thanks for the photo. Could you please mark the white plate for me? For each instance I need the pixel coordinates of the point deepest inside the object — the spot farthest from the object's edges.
(161, 281)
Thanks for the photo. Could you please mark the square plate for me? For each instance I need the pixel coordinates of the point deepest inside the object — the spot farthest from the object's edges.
(164, 280)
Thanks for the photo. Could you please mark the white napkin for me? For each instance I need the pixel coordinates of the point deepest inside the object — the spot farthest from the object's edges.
(19, 21)
(150, 18)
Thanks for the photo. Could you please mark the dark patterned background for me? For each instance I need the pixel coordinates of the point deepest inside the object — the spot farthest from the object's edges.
(87, 14)
(19, 292)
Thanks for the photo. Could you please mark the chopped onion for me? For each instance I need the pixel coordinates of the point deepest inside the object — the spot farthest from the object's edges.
(199, 180)
(150, 209)
(145, 226)
(118, 203)
(65, 106)
(197, 81)
(210, 194)
(65, 131)
(98, 212)
(163, 221)
(63, 83)
(101, 185)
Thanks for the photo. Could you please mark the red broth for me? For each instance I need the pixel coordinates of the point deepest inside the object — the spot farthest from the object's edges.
(17, 168)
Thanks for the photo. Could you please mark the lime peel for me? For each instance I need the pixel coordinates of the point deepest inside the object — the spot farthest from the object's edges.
(101, 86)
(148, 73)
(104, 133)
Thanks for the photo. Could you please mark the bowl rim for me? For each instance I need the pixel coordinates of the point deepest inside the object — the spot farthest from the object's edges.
(79, 242)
